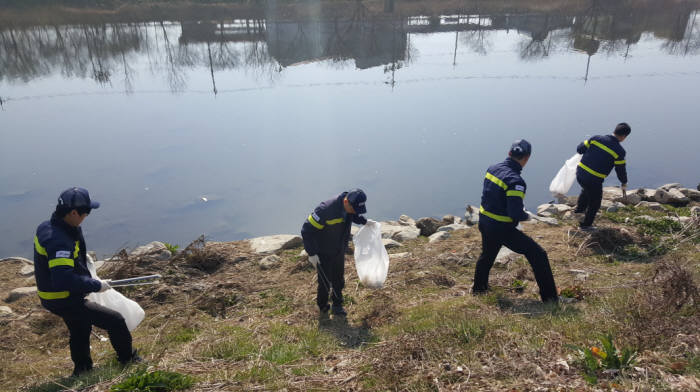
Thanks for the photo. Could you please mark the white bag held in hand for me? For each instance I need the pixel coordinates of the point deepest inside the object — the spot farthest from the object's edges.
(371, 258)
(563, 181)
(131, 311)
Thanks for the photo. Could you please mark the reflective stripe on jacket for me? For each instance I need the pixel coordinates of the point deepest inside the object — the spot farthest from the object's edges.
(600, 155)
(60, 265)
(503, 195)
(327, 230)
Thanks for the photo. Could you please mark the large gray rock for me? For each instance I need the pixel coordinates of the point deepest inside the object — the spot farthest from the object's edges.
(269, 262)
(671, 196)
(607, 204)
(274, 243)
(26, 270)
(5, 311)
(408, 233)
(673, 185)
(505, 257)
(471, 215)
(428, 226)
(450, 219)
(647, 194)
(17, 260)
(155, 249)
(439, 236)
(453, 227)
(552, 209)
(652, 205)
(19, 293)
(691, 193)
(549, 221)
(568, 200)
(405, 220)
(390, 244)
(612, 193)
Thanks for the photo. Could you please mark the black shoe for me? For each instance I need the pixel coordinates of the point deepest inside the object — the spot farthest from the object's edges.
(81, 370)
(577, 211)
(135, 358)
(338, 310)
(588, 228)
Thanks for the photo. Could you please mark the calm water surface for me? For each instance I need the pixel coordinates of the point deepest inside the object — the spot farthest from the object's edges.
(238, 127)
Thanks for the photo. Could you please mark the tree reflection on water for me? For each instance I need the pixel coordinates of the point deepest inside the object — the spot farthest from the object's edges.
(264, 46)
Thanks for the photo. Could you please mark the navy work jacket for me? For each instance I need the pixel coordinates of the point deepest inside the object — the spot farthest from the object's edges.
(60, 265)
(600, 155)
(327, 230)
(503, 195)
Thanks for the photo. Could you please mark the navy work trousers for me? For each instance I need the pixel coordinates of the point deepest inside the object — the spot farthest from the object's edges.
(79, 318)
(492, 238)
(590, 198)
(331, 277)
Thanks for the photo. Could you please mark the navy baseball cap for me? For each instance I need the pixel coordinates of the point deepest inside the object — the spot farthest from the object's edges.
(357, 199)
(521, 148)
(77, 197)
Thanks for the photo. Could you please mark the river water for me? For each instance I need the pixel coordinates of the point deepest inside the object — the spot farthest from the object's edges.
(239, 126)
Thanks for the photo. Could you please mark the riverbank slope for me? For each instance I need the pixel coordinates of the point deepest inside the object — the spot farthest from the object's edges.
(241, 315)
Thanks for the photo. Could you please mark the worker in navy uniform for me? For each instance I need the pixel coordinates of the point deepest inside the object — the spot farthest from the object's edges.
(326, 233)
(63, 281)
(500, 212)
(600, 155)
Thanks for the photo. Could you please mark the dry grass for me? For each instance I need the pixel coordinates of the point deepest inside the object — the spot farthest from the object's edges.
(238, 327)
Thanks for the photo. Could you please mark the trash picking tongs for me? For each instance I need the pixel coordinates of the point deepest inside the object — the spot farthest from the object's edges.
(137, 281)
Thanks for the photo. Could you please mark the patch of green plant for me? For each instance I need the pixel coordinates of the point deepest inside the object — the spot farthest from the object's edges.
(349, 300)
(172, 248)
(518, 285)
(575, 292)
(307, 370)
(238, 344)
(595, 360)
(680, 211)
(156, 381)
(278, 303)
(662, 226)
(96, 376)
(183, 335)
(469, 332)
(262, 374)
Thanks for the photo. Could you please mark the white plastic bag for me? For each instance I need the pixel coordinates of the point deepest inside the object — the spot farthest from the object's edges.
(566, 176)
(131, 311)
(371, 258)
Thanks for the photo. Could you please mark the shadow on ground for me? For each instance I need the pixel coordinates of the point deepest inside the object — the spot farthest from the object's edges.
(348, 335)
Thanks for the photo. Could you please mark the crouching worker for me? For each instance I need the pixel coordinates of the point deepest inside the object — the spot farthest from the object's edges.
(63, 281)
(501, 210)
(326, 233)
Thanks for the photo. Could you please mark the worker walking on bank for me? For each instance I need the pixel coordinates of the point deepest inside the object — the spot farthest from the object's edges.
(326, 233)
(600, 155)
(63, 281)
(501, 210)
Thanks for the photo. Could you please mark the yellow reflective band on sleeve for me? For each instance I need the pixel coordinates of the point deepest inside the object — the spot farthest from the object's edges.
(500, 218)
(588, 169)
(53, 294)
(39, 249)
(587, 143)
(516, 193)
(335, 221)
(58, 262)
(496, 180)
(622, 162)
(605, 148)
(77, 249)
(314, 223)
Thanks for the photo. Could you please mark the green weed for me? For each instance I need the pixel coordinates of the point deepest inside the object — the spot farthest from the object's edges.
(157, 381)
(84, 381)
(172, 248)
(237, 345)
(595, 360)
